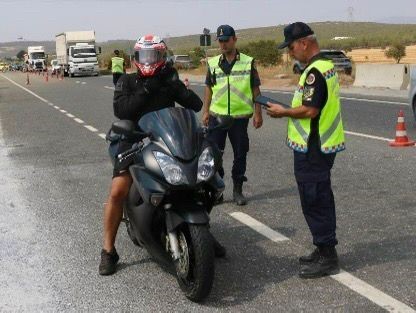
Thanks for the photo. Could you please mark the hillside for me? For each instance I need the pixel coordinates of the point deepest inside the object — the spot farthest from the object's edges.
(364, 35)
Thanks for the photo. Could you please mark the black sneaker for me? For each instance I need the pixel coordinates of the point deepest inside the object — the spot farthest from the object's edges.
(108, 264)
(313, 257)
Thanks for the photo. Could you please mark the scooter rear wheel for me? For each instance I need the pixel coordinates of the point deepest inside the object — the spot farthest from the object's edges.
(195, 268)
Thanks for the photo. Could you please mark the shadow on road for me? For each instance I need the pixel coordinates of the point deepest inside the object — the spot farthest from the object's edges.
(247, 271)
(379, 252)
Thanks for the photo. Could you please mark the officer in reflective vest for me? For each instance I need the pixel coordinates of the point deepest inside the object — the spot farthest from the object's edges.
(117, 66)
(315, 133)
(232, 83)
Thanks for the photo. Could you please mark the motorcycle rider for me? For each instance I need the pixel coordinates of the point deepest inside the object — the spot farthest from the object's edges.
(155, 86)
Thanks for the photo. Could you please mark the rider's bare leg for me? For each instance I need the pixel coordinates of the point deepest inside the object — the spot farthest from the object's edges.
(113, 212)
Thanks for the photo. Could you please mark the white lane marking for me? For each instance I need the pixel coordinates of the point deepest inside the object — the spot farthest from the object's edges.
(259, 227)
(25, 89)
(367, 136)
(376, 101)
(90, 128)
(78, 120)
(108, 87)
(83, 83)
(359, 286)
(77, 82)
(378, 297)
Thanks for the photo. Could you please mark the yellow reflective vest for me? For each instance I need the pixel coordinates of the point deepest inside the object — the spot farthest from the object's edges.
(232, 94)
(117, 65)
(331, 131)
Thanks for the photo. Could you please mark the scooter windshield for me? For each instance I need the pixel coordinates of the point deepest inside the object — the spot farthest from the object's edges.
(177, 127)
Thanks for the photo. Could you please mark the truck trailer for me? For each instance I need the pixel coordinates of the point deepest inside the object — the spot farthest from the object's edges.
(76, 53)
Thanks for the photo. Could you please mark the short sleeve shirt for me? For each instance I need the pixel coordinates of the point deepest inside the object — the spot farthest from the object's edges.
(315, 94)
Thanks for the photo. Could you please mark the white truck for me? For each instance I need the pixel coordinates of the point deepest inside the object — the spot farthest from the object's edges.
(76, 53)
(35, 58)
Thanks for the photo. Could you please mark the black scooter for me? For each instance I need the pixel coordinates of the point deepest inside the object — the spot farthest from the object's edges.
(175, 184)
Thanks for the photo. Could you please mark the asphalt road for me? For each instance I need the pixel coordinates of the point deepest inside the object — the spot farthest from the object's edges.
(55, 175)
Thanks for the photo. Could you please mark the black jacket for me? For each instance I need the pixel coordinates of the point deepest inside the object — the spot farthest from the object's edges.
(135, 96)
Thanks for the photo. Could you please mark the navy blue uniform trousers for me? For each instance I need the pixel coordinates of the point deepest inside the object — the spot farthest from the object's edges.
(239, 141)
(313, 176)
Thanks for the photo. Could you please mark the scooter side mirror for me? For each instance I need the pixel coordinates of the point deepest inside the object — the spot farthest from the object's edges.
(128, 129)
(124, 127)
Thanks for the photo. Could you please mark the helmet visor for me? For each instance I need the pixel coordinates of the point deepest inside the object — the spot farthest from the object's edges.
(148, 56)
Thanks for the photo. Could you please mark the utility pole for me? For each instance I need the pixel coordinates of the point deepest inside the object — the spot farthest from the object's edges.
(205, 41)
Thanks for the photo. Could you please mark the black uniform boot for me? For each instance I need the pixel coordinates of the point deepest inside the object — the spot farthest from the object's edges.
(238, 196)
(326, 264)
(313, 257)
(219, 200)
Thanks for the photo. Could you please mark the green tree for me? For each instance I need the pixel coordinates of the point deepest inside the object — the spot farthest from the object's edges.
(397, 52)
(264, 51)
(196, 55)
(20, 55)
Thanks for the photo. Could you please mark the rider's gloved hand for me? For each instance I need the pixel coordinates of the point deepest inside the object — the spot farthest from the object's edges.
(175, 85)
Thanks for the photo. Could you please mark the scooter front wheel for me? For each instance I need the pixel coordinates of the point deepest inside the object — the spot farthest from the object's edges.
(195, 267)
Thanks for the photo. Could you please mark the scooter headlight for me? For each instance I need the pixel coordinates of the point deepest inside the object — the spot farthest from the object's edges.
(170, 169)
(206, 168)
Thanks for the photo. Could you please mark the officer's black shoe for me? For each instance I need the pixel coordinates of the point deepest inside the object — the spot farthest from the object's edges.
(327, 264)
(219, 200)
(108, 262)
(219, 249)
(238, 196)
(313, 257)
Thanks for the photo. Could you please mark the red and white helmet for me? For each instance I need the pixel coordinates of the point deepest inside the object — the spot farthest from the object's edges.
(150, 55)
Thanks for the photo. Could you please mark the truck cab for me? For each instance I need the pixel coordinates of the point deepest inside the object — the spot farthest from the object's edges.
(36, 58)
(82, 59)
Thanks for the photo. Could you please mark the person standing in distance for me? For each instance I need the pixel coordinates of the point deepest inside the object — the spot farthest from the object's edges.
(316, 134)
(118, 66)
(232, 82)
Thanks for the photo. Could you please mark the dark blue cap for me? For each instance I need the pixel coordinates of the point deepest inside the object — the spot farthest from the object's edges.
(224, 32)
(294, 32)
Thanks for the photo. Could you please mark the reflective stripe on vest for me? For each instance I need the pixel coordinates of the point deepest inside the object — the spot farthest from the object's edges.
(232, 94)
(331, 132)
(117, 65)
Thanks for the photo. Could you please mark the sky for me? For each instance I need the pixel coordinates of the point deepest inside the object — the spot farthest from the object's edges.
(130, 19)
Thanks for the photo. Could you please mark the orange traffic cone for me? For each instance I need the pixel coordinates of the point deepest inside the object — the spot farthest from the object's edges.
(401, 135)
(27, 79)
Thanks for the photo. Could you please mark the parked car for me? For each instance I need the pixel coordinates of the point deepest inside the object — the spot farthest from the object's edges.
(182, 61)
(55, 67)
(4, 67)
(341, 62)
(412, 90)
